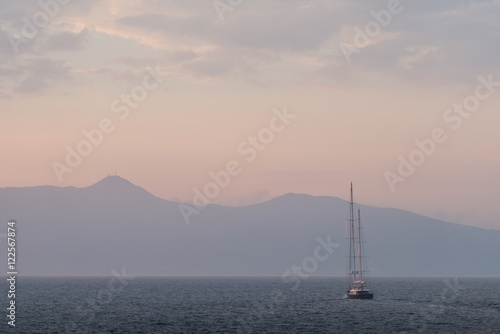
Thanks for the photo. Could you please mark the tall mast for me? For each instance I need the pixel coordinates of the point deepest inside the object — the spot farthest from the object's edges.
(359, 245)
(348, 235)
(352, 243)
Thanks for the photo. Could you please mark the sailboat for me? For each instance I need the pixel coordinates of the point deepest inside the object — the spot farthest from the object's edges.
(357, 286)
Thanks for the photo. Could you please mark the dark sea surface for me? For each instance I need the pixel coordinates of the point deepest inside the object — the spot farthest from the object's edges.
(251, 305)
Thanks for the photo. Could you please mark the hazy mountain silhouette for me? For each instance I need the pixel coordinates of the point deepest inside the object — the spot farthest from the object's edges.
(114, 224)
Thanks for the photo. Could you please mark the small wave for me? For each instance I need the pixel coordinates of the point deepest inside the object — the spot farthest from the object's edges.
(160, 323)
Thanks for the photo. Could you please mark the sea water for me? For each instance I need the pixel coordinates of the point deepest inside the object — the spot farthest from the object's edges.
(251, 305)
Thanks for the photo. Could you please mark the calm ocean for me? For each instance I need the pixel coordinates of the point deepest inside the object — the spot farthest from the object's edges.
(251, 305)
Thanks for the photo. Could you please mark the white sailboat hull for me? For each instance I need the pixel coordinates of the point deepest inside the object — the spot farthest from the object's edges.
(359, 294)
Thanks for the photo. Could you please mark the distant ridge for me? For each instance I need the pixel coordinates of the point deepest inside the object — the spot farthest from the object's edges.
(114, 223)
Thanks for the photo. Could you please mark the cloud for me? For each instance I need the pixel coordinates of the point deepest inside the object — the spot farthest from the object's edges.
(428, 42)
(134, 62)
(69, 41)
(206, 48)
(39, 73)
(33, 64)
(181, 55)
(285, 28)
(118, 75)
(424, 39)
(215, 64)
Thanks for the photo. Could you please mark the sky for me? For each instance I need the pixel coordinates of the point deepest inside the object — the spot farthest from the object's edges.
(240, 101)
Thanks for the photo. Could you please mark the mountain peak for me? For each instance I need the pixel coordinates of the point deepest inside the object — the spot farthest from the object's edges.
(113, 180)
(115, 183)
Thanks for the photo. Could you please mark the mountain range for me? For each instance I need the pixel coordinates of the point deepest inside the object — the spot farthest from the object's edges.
(116, 225)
